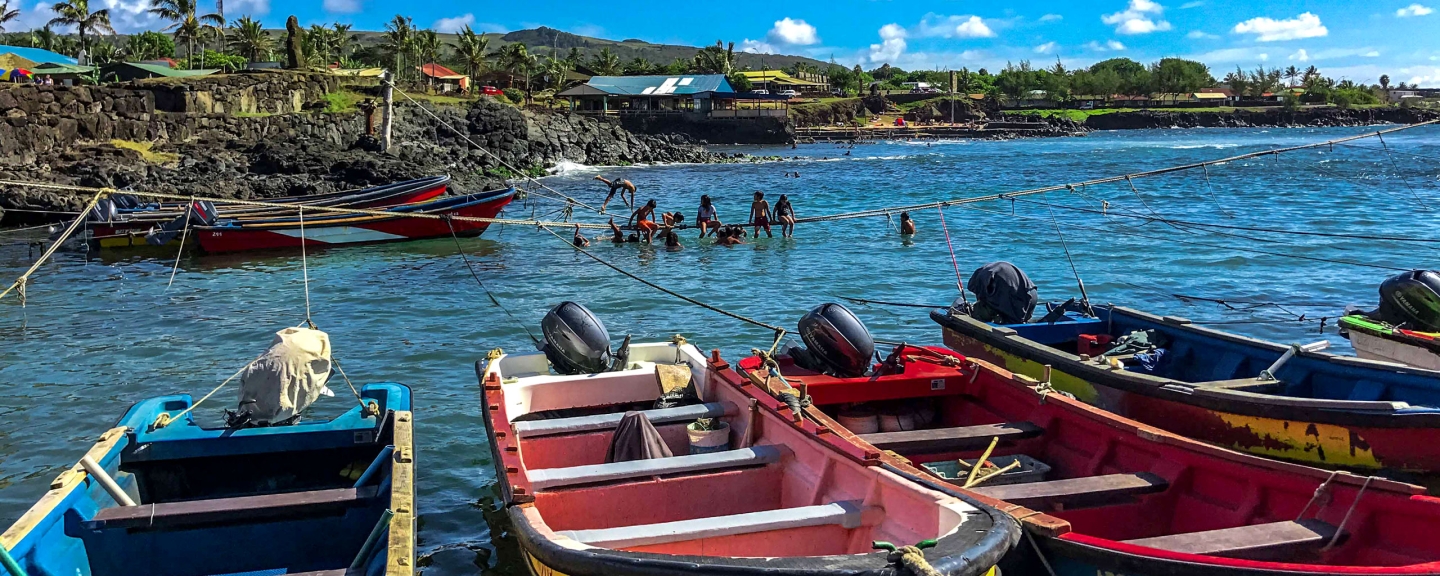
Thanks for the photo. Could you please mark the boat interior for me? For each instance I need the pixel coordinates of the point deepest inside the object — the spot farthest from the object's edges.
(1214, 359)
(1119, 484)
(764, 491)
(299, 499)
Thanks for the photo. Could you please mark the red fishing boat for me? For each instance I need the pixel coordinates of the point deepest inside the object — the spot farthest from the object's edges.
(1096, 493)
(115, 226)
(336, 229)
(719, 483)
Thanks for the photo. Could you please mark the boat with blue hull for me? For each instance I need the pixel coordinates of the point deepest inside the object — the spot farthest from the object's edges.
(160, 495)
(1291, 402)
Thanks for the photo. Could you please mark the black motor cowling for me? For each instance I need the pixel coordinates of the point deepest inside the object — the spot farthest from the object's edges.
(1003, 294)
(201, 213)
(1411, 300)
(836, 342)
(576, 341)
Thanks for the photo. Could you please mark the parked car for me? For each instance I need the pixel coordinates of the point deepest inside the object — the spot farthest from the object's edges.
(490, 91)
(789, 93)
(759, 91)
(838, 92)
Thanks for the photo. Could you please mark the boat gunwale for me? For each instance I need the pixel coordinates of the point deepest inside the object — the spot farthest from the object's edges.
(466, 202)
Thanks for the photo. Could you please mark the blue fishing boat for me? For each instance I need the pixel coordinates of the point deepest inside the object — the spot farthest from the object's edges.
(1292, 402)
(160, 495)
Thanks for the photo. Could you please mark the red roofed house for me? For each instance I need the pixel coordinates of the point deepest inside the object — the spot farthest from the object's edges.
(446, 79)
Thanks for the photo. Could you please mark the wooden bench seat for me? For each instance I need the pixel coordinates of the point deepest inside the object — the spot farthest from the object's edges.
(547, 478)
(1089, 491)
(553, 426)
(244, 508)
(1276, 539)
(959, 439)
(845, 514)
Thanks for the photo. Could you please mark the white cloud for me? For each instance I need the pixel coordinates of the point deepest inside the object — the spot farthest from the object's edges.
(131, 16)
(1300, 56)
(1051, 18)
(933, 25)
(341, 6)
(453, 25)
(1195, 4)
(1140, 17)
(1306, 25)
(1371, 54)
(1106, 47)
(1201, 34)
(1045, 48)
(247, 7)
(794, 32)
(756, 47)
(891, 46)
(1414, 10)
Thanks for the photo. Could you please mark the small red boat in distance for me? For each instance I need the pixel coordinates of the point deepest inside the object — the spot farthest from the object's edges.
(730, 485)
(333, 229)
(1097, 493)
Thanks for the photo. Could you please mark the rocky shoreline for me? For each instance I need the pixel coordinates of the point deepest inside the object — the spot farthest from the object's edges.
(1276, 118)
(264, 156)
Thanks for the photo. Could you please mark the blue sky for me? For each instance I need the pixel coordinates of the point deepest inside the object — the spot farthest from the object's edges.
(1354, 40)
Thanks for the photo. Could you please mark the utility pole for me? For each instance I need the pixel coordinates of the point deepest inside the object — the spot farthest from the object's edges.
(388, 82)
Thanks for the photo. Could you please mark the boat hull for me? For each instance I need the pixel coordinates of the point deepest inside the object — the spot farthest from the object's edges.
(356, 230)
(1395, 443)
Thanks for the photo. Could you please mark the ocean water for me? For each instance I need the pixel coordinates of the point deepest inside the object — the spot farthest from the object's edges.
(102, 332)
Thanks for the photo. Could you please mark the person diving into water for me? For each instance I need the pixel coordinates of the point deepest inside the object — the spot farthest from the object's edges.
(621, 186)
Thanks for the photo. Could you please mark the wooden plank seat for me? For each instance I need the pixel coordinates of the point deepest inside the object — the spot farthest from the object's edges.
(1088, 491)
(239, 509)
(1273, 539)
(534, 428)
(959, 439)
(845, 514)
(547, 478)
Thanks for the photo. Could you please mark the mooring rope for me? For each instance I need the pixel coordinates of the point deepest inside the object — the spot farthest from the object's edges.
(20, 282)
(181, 250)
(488, 293)
(779, 332)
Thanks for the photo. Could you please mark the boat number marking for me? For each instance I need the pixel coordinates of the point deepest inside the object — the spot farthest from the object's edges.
(937, 384)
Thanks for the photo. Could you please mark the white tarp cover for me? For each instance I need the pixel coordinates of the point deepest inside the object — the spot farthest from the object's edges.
(288, 377)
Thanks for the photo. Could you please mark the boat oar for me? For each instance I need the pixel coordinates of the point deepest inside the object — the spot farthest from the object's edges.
(11, 565)
(992, 474)
(380, 528)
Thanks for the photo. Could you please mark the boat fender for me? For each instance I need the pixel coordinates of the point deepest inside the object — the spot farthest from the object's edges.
(576, 341)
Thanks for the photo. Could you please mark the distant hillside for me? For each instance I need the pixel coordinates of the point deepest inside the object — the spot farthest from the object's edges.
(543, 40)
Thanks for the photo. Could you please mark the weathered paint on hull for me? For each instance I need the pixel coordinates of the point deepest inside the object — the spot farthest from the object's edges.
(1313, 443)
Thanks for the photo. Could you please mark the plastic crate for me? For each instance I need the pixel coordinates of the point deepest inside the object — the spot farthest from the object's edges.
(1030, 470)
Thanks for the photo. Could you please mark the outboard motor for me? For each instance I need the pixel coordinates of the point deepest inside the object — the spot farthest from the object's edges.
(836, 342)
(576, 341)
(201, 213)
(1003, 294)
(1411, 300)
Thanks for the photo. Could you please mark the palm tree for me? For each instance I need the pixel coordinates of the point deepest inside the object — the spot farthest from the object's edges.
(77, 13)
(515, 59)
(104, 53)
(427, 48)
(341, 39)
(471, 51)
(555, 70)
(606, 63)
(399, 39)
(1384, 81)
(1291, 74)
(188, 24)
(248, 38)
(43, 38)
(717, 59)
(7, 14)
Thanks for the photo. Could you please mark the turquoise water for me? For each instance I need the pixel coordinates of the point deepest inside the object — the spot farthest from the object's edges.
(101, 333)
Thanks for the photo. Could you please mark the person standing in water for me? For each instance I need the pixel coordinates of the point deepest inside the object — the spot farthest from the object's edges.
(644, 219)
(619, 235)
(760, 214)
(907, 226)
(785, 215)
(618, 185)
(707, 218)
(581, 241)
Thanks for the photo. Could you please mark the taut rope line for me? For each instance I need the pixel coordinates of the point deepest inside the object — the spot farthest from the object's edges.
(20, 282)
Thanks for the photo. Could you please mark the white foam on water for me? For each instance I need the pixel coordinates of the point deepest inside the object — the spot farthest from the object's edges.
(1194, 146)
(568, 167)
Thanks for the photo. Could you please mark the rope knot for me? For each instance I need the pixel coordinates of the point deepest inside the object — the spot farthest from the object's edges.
(909, 559)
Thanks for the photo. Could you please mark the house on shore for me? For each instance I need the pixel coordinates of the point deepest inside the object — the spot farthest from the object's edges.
(445, 79)
(777, 81)
(707, 96)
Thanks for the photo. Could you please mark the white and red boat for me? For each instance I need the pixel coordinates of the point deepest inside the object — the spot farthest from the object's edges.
(113, 225)
(337, 229)
(730, 485)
